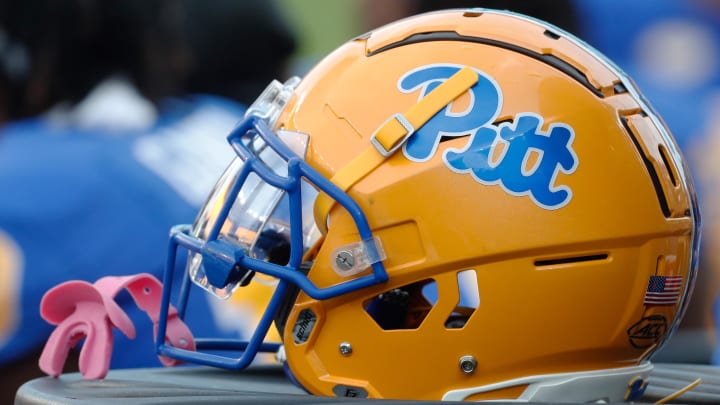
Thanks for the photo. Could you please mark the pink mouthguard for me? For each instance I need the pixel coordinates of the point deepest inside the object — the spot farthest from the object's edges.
(80, 309)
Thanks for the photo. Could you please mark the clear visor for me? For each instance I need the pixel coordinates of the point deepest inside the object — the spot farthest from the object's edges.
(258, 222)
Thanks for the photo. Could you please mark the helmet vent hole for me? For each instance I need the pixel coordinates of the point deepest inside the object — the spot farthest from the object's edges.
(551, 34)
(648, 160)
(670, 168)
(570, 260)
(468, 300)
(619, 88)
(450, 138)
(504, 119)
(404, 307)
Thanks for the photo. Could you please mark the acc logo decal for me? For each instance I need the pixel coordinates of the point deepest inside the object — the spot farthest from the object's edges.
(516, 141)
(647, 331)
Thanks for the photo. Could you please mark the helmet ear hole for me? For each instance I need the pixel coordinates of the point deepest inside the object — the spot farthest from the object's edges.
(404, 307)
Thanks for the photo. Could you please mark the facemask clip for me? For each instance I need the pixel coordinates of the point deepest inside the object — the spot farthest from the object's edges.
(221, 265)
(354, 258)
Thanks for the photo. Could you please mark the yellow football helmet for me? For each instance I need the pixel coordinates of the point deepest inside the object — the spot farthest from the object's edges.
(465, 204)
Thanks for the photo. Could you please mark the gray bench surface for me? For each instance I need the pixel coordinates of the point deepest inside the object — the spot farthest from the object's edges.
(268, 385)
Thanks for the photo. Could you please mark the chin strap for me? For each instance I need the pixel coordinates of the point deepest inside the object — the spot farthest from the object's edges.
(84, 310)
(392, 135)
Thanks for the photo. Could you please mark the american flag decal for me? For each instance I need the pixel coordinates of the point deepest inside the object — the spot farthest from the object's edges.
(663, 290)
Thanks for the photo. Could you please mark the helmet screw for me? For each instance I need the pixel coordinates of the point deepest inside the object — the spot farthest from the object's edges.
(345, 349)
(345, 260)
(468, 364)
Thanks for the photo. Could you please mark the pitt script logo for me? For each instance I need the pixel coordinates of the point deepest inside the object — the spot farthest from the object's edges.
(517, 139)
